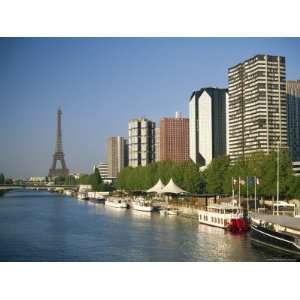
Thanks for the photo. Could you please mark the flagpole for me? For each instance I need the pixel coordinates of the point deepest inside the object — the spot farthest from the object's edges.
(232, 187)
(239, 191)
(278, 180)
(247, 196)
(255, 194)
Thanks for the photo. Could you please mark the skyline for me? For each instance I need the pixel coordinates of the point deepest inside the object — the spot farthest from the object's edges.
(106, 81)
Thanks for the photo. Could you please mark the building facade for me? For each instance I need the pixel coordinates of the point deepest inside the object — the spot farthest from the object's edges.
(208, 124)
(157, 144)
(103, 170)
(174, 138)
(141, 142)
(257, 106)
(117, 155)
(293, 118)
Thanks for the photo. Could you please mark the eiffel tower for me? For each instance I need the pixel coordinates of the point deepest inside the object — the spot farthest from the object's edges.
(59, 154)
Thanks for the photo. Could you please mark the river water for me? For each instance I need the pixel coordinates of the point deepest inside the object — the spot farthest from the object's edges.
(40, 226)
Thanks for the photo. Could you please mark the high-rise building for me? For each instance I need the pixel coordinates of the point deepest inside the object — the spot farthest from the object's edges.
(157, 144)
(103, 170)
(174, 138)
(293, 118)
(117, 155)
(141, 142)
(257, 106)
(208, 124)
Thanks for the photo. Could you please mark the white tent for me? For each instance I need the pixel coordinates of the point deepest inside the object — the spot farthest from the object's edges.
(172, 188)
(157, 188)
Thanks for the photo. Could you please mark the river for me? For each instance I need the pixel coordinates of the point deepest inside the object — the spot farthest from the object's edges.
(42, 226)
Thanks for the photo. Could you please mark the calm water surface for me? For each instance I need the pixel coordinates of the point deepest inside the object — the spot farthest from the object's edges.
(40, 226)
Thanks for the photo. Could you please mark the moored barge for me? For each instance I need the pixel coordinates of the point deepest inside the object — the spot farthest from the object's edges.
(277, 232)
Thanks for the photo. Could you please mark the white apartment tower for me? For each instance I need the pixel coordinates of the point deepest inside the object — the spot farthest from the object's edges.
(208, 125)
(141, 142)
(257, 106)
(117, 155)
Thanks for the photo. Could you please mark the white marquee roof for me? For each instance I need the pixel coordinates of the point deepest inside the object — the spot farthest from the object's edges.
(172, 188)
(157, 188)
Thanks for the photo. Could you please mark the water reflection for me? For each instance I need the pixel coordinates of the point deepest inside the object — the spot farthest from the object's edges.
(137, 214)
(51, 227)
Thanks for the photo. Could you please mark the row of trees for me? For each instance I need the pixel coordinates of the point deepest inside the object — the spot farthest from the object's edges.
(220, 172)
(185, 174)
(218, 177)
(4, 180)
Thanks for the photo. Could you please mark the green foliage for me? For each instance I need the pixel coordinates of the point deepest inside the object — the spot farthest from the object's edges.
(59, 180)
(95, 181)
(2, 178)
(8, 181)
(84, 179)
(70, 180)
(185, 174)
(219, 174)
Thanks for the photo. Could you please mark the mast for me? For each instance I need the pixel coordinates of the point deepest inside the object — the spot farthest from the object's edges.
(278, 180)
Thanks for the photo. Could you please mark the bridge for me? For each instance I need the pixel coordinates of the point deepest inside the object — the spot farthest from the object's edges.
(36, 186)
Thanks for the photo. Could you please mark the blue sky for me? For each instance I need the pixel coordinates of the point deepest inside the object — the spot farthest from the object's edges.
(101, 83)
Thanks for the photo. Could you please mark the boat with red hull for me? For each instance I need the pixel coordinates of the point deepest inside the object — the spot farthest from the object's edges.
(225, 215)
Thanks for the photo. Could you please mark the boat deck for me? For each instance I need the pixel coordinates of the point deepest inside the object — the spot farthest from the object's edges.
(285, 221)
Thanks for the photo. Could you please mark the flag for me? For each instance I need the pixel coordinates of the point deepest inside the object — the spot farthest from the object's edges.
(234, 181)
(251, 180)
(242, 181)
(257, 181)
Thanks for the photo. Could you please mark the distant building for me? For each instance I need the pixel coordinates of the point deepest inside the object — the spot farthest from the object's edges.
(37, 179)
(174, 138)
(117, 155)
(157, 144)
(75, 175)
(141, 142)
(208, 124)
(257, 106)
(84, 188)
(296, 168)
(293, 118)
(103, 170)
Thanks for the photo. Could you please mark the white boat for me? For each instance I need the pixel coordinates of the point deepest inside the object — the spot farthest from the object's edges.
(225, 215)
(169, 211)
(142, 205)
(172, 211)
(284, 208)
(82, 196)
(68, 192)
(116, 202)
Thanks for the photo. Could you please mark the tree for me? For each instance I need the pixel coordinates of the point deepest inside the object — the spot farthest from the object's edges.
(70, 180)
(60, 180)
(96, 180)
(185, 174)
(84, 179)
(217, 175)
(2, 178)
(192, 179)
(8, 181)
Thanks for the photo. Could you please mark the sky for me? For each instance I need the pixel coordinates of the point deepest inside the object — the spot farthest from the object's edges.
(101, 83)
